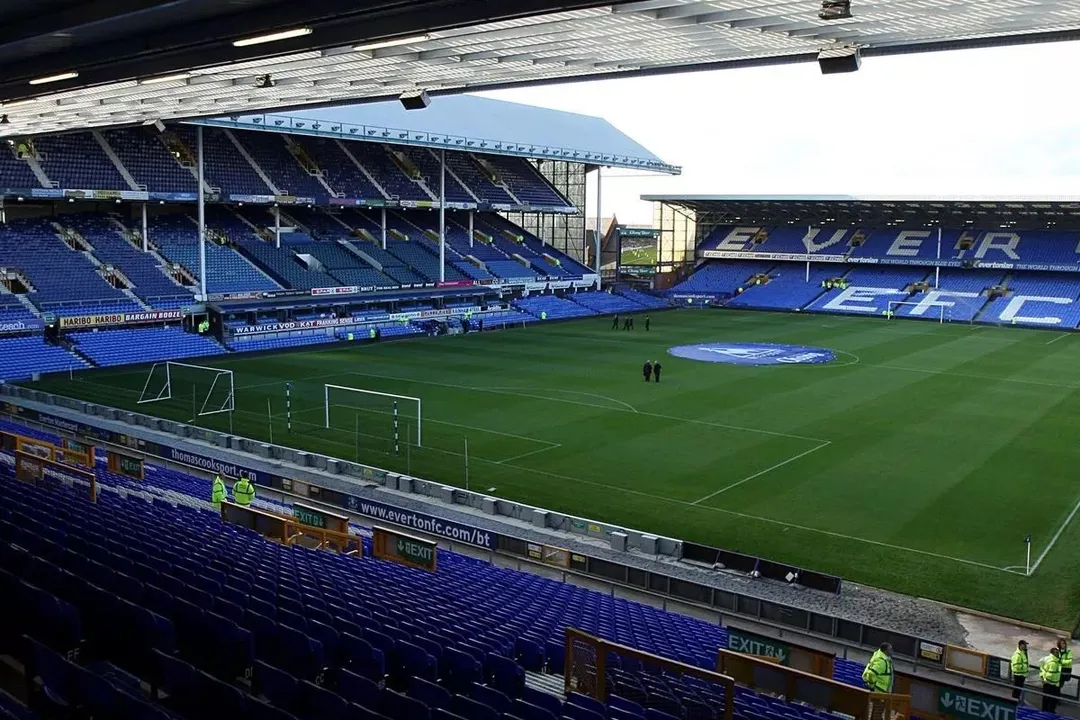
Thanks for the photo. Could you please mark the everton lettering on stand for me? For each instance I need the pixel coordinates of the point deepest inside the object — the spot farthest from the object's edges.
(754, 354)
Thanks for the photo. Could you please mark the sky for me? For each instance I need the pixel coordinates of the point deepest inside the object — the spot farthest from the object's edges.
(1000, 121)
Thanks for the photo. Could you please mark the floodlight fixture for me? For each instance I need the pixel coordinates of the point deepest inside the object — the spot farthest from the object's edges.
(264, 81)
(54, 78)
(19, 104)
(164, 79)
(395, 42)
(835, 10)
(272, 37)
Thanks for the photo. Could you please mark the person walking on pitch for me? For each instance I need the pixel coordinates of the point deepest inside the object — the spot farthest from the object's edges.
(615, 322)
(656, 366)
(646, 370)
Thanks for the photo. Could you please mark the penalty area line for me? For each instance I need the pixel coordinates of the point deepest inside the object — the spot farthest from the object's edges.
(528, 454)
(759, 473)
(758, 518)
(1062, 336)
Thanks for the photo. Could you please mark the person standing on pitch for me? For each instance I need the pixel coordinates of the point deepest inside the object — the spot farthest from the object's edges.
(1050, 673)
(646, 370)
(615, 322)
(217, 492)
(1019, 666)
(626, 323)
(647, 321)
(656, 369)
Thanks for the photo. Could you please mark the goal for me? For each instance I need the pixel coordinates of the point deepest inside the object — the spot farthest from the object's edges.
(957, 309)
(206, 390)
(931, 312)
(373, 414)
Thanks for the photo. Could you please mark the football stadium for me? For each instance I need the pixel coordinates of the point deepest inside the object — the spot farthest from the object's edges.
(328, 390)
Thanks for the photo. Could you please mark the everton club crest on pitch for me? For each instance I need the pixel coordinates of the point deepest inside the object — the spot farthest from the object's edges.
(754, 353)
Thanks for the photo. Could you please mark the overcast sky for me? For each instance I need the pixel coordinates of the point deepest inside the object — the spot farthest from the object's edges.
(1003, 121)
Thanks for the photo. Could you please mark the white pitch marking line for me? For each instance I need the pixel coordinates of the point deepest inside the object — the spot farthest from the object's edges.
(1053, 540)
(708, 423)
(1059, 337)
(758, 474)
(770, 521)
(525, 455)
(626, 405)
(990, 378)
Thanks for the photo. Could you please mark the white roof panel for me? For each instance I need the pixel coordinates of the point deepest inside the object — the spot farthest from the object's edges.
(622, 38)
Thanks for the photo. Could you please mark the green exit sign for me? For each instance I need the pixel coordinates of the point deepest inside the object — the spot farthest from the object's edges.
(422, 554)
(405, 549)
(749, 644)
(309, 516)
(969, 706)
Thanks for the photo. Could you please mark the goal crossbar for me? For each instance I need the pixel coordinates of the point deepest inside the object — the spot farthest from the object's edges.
(206, 408)
(893, 304)
(326, 402)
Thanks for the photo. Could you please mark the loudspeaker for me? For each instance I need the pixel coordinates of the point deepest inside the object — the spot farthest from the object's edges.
(415, 101)
(839, 60)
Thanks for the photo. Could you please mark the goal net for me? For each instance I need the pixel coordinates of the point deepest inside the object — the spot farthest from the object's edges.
(957, 309)
(200, 389)
(378, 420)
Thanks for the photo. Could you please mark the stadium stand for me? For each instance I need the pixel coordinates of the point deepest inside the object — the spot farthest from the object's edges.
(225, 166)
(271, 153)
(16, 171)
(21, 357)
(149, 279)
(339, 170)
(176, 238)
(284, 266)
(146, 157)
(34, 249)
(78, 161)
(555, 308)
(141, 345)
(721, 277)
(604, 302)
(204, 604)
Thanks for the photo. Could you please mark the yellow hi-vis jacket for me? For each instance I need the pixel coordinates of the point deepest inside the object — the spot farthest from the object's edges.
(1019, 663)
(878, 674)
(1050, 670)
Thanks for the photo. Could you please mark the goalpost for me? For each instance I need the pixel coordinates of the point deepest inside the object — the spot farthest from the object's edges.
(213, 390)
(965, 311)
(346, 408)
(933, 312)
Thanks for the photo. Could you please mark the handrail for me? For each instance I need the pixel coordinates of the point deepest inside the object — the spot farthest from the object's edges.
(798, 686)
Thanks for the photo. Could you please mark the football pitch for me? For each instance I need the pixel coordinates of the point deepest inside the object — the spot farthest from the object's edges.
(917, 460)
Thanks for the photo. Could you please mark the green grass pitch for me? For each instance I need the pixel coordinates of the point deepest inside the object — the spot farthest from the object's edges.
(916, 461)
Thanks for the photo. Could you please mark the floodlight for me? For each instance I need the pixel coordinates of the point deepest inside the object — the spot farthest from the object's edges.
(264, 81)
(164, 79)
(272, 37)
(835, 10)
(391, 43)
(54, 78)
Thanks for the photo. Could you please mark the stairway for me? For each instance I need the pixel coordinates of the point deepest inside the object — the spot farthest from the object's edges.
(450, 173)
(39, 172)
(362, 169)
(251, 161)
(128, 178)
